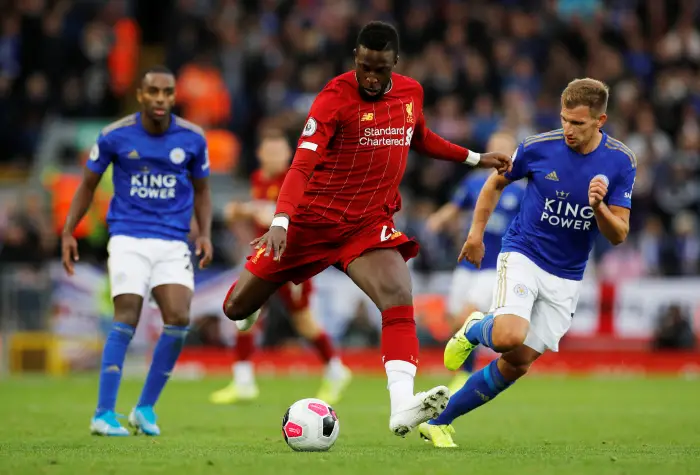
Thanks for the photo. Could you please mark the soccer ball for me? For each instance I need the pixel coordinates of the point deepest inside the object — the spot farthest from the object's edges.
(310, 425)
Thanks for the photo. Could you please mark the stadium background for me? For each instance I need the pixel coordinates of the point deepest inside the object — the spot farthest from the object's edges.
(68, 67)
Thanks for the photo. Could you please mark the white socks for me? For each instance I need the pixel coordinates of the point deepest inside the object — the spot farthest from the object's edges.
(243, 374)
(335, 369)
(400, 375)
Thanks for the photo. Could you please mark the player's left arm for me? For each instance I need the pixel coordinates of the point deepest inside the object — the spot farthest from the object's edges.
(613, 214)
(427, 142)
(199, 174)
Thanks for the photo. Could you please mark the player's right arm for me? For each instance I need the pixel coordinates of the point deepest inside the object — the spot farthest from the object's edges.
(99, 159)
(473, 249)
(319, 130)
(450, 211)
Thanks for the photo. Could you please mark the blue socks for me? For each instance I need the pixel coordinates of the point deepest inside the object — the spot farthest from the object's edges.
(165, 356)
(479, 389)
(468, 365)
(481, 331)
(113, 356)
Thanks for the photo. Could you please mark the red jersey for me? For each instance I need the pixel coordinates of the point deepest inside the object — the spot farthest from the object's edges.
(362, 149)
(264, 188)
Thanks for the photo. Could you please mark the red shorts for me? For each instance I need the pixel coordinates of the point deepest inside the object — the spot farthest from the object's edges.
(295, 297)
(314, 244)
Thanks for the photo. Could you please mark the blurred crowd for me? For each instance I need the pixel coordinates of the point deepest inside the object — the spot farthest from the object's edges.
(486, 65)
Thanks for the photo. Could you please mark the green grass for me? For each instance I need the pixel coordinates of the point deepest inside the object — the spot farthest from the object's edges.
(541, 426)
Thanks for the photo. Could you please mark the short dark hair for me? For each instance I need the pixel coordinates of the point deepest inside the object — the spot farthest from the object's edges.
(157, 69)
(378, 36)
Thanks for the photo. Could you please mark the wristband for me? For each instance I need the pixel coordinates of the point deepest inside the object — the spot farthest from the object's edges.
(473, 158)
(280, 221)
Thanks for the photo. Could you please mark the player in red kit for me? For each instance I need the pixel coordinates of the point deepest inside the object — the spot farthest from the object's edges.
(274, 155)
(337, 203)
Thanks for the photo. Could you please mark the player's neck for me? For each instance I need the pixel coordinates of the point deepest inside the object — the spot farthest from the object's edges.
(268, 175)
(592, 145)
(153, 127)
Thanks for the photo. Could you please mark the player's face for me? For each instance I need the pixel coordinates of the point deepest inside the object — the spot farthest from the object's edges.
(157, 95)
(274, 155)
(503, 143)
(373, 70)
(580, 126)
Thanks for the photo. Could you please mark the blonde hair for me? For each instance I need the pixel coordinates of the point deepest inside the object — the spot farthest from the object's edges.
(586, 92)
(498, 139)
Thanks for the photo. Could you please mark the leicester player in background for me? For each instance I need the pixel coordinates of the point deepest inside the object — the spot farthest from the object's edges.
(160, 174)
(580, 184)
(274, 155)
(337, 203)
(471, 288)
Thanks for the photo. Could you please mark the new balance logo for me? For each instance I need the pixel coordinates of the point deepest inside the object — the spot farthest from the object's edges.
(552, 176)
(134, 155)
(367, 116)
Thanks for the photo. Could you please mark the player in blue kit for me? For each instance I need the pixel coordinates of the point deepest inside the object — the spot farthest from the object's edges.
(472, 286)
(160, 170)
(580, 183)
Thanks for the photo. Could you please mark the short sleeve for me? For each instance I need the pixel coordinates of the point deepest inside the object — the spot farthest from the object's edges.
(101, 155)
(521, 166)
(620, 193)
(321, 122)
(199, 166)
(462, 197)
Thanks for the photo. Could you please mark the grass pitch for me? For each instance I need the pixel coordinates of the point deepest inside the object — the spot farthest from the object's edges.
(540, 426)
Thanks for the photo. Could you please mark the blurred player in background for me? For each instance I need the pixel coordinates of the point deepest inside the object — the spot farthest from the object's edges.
(274, 155)
(580, 183)
(337, 203)
(160, 174)
(471, 288)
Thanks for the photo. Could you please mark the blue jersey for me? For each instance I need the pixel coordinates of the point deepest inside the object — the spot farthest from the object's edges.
(465, 197)
(556, 227)
(152, 176)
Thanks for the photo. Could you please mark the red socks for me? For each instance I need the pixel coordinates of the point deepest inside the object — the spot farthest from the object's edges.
(245, 345)
(399, 339)
(324, 346)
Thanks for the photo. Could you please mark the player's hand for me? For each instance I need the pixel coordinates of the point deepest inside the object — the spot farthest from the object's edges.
(232, 211)
(473, 251)
(597, 190)
(204, 249)
(500, 161)
(274, 241)
(69, 252)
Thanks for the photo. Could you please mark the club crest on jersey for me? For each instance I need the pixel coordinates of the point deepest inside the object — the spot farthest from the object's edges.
(520, 290)
(309, 128)
(177, 155)
(94, 152)
(409, 113)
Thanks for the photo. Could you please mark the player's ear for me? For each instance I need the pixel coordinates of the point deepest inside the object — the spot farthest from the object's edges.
(602, 120)
(139, 95)
(396, 59)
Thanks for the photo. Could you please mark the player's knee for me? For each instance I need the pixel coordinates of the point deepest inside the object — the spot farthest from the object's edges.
(127, 309)
(509, 332)
(180, 318)
(236, 309)
(393, 294)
